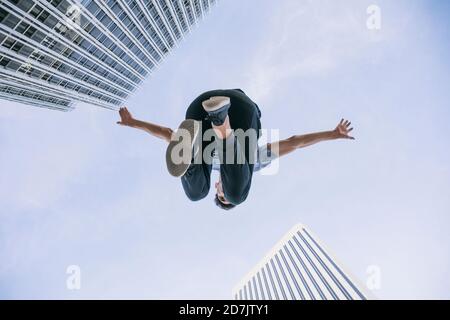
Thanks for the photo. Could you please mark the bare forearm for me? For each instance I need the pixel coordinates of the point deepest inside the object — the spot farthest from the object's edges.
(301, 141)
(305, 140)
(154, 129)
(286, 146)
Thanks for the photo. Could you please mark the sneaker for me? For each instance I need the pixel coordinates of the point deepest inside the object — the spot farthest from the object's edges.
(217, 108)
(179, 156)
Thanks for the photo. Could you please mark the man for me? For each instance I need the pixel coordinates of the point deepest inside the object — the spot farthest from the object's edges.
(220, 133)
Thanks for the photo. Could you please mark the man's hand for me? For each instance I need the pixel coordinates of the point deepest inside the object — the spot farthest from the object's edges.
(342, 130)
(126, 119)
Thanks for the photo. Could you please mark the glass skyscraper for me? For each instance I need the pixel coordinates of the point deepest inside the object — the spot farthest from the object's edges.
(298, 268)
(56, 52)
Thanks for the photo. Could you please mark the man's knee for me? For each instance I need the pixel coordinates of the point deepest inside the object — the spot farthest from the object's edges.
(197, 195)
(235, 196)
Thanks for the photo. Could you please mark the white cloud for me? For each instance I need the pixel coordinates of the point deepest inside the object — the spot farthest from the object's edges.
(307, 38)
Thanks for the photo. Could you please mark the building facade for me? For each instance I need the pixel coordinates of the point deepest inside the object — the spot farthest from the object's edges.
(298, 268)
(54, 53)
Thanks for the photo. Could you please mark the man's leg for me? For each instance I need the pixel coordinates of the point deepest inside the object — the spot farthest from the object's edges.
(236, 176)
(196, 181)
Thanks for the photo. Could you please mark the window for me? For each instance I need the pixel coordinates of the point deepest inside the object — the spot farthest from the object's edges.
(3, 14)
(11, 21)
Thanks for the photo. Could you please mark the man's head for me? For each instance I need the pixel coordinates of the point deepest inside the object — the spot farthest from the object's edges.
(220, 199)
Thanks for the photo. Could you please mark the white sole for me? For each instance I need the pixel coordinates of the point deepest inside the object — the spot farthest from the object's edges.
(179, 153)
(215, 103)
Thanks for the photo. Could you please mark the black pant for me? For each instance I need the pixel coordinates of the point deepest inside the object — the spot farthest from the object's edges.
(236, 178)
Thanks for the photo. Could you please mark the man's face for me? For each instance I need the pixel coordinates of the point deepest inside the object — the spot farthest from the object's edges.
(220, 193)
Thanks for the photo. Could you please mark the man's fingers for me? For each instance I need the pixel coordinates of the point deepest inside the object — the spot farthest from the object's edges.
(344, 123)
(349, 129)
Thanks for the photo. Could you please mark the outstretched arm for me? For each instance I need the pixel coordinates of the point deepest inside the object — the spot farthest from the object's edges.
(126, 119)
(300, 141)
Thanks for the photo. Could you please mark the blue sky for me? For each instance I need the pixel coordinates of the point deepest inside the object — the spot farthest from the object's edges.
(76, 189)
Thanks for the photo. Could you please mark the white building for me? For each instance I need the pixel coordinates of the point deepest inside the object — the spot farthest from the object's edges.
(56, 52)
(298, 268)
